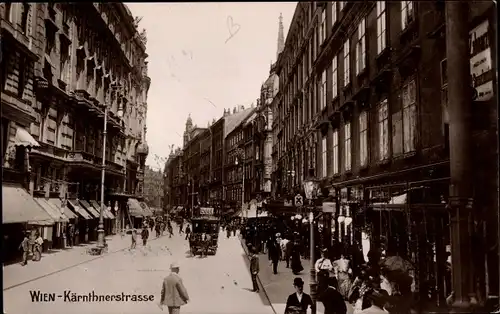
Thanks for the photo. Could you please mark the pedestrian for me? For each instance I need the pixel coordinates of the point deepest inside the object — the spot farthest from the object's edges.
(25, 246)
(274, 255)
(343, 272)
(71, 235)
(173, 292)
(378, 299)
(207, 239)
(181, 225)
(170, 229)
(37, 248)
(134, 239)
(295, 257)
(298, 302)
(254, 268)
(330, 297)
(188, 232)
(145, 235)
(323, 266)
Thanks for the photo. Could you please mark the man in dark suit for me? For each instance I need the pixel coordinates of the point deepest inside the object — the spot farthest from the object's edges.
(254, 268)
(332, 299)
(299, 301)
(173, 292)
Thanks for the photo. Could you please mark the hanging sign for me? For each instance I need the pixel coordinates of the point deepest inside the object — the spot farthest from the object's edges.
(480, 61)
(206, 211)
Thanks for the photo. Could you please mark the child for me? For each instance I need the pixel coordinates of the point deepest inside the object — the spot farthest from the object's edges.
(134, 239)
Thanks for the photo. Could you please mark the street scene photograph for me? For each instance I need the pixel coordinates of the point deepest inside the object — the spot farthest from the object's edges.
(311, 157)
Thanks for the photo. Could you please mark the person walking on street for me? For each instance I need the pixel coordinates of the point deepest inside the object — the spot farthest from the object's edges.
(173, 292)
(254, 268)
(37, 248)
(288, 252)
(145, 235)
(298, 302)
(25, 246)
(323, 266)
(170, 229)
(188, 232)
(134, 239)
(274, 255)
(331, 298)
(71, 235)
(181, 224)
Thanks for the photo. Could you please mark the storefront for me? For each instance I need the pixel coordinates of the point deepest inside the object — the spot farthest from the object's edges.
(82, 223)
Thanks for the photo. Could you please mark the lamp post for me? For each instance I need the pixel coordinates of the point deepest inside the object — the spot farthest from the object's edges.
(100, 227)
(310, 189)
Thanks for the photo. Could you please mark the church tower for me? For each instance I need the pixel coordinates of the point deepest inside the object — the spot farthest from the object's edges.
(281, 37)
(187, 131)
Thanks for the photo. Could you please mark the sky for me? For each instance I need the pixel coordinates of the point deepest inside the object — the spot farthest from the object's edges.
(204, 57)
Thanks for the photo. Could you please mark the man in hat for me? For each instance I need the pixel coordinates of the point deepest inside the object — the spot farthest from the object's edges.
(331, 298)
(254, 268)
(173, 292)
(378, 300)
(299, 301)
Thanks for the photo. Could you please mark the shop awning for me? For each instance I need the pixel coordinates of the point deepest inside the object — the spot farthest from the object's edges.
(58, 204)
(106, 213)
(395, 203)
(96, 208)
(146, 209)
(110, 213)
(20, 207)
(23, 138)
(135, 208)
(90, 209)
(53, 211)
(75, 205)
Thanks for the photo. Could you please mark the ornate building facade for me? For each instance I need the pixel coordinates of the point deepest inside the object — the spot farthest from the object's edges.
(363, 106)
(82, 61)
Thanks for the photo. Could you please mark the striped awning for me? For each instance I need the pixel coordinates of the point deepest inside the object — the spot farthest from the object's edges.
(52, 210)
(75, 206)
(90, 209)
(135, 208)
(20, 207)
(57, 203)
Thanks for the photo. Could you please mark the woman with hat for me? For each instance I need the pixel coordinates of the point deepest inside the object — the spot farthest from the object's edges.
(298, 302)
(323, 265)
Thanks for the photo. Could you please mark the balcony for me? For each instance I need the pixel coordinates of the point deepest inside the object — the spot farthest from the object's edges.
(50, 151)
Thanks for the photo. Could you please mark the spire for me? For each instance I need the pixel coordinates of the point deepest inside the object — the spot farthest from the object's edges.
(281, 37)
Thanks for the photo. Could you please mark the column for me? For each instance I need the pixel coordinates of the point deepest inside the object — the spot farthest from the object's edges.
(460, 203)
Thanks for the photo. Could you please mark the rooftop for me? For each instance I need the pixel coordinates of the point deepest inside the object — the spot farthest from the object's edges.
(232, 121)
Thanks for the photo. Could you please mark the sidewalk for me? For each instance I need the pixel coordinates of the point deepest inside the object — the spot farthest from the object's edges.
(278, 287)
(59, 260)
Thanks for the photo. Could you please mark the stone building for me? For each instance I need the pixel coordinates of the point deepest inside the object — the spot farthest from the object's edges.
(153, 188)
(79, 62)
(363, 107)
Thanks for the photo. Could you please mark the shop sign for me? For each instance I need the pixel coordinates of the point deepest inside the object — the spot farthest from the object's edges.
(480, 61)
(356, 194)
(379, 196)
(329, 207)
(206, 211)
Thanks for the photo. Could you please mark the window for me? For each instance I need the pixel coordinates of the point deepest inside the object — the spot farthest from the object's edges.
(409, 116)
(24, 18)
(322, 34)
(406, 13)
(363, 138)
(381, 33)
(323, 90)
(335, 83)
(8, 10)
(341, 5)
(323, 158)
(347, 69)
(334, 13)
(335, 152)
(347, 146)
(361, 47)
(383, 130)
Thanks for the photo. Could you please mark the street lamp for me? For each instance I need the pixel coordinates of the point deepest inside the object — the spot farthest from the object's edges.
(100, 227)
(310, 189)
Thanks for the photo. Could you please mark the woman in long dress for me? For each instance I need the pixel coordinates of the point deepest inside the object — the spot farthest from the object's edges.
(296, 264)
(343, 271)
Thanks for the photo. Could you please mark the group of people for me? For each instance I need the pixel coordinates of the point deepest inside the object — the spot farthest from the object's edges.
(31, 245)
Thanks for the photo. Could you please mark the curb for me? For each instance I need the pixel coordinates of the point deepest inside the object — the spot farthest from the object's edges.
(74, 265)
(245, 248)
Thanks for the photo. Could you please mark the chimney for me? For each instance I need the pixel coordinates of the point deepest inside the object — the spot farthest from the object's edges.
(242, 107)
(234, 110)
(226, 112)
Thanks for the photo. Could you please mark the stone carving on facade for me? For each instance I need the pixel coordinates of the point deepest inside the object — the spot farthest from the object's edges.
(143, 37)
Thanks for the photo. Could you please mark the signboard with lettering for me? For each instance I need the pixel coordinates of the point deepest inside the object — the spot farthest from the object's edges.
(329, 207)
(480, 61)
(298, 200)
(206, 211)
